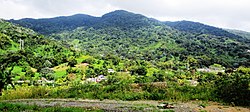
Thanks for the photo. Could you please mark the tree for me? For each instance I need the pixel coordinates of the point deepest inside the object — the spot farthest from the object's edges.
(8, 61)
(72, 62)
(192, 61)
(159, 76)
(47, 63)
(90, 72)
(5, 41)
(141, 70)
(89, 60)
(234, 87)
(47, 73)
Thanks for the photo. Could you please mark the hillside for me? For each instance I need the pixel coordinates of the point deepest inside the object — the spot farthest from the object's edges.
(240, 33)
(135, 36)
(196, 27)
(36, 49)
(122, 56)
(119, 18)
(57, 24)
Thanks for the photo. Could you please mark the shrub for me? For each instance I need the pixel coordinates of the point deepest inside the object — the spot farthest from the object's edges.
(234, 88)
(26, 92)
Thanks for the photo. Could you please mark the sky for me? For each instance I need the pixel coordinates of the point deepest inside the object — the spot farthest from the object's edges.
(233, 14)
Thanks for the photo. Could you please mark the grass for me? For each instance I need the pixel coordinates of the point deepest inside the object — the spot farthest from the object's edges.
(60, 74)
(14, 47)
(81, 58)
(60, 70)
(17, 69)
(119, 91)
(17, 107)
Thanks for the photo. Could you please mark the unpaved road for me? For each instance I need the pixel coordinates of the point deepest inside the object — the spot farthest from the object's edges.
(131, 106)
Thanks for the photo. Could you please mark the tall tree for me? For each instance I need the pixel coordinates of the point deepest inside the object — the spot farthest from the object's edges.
(8, 61)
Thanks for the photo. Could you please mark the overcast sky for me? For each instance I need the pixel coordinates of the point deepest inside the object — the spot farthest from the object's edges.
(233, 14)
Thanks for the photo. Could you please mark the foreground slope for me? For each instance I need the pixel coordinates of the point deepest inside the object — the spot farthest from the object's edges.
(37, 49)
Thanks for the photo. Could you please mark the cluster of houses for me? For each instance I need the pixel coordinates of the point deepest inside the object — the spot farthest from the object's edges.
(44, 81)
(96, 79)
(100, 77)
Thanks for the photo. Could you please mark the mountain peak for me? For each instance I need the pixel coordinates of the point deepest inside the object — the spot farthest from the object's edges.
(119, 13)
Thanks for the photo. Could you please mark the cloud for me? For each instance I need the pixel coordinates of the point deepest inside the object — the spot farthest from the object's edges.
(221, 13)
(50, 8)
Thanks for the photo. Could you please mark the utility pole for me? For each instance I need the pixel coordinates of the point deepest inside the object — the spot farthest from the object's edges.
(21, 44)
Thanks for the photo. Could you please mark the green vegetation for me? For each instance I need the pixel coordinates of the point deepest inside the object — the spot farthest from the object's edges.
(228, 87)
(122, 56)
(196, 27)
(240, 33)
(8, 107)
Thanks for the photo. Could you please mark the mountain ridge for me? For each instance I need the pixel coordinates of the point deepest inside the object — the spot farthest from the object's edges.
(117, 18)
(58, 24)
(134, 36)
(197, 27)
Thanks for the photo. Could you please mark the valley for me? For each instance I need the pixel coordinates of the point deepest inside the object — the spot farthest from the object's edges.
(123, 56)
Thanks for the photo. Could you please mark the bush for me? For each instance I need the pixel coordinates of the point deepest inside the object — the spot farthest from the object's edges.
(234, 88)
(72, 62)
(26, 92)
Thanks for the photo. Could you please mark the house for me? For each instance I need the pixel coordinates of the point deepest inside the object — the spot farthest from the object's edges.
(96, 79)
(111, 71)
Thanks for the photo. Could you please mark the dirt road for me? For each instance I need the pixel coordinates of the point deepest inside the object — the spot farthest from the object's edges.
(132, 106)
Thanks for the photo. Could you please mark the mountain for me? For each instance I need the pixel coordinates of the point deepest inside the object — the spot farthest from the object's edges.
(127, 20)
(82, 56)
(136, 37)
(119, 18)
(57, 24)
(243, 34)
(196, 27)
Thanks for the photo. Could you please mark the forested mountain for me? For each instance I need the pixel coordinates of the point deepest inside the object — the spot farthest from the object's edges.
(196, 27)
(119, 18)
(122, 55)
(125, 20)
(135, 36)
(57, 24)
(243, 34)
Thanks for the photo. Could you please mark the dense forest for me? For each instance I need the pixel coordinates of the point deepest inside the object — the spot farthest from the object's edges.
(135, 36)
(140, 58)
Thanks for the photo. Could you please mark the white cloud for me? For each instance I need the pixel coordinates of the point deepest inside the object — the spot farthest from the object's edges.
(221, 13)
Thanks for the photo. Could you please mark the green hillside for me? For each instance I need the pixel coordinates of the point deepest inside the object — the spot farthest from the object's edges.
(137, 58)
(35, 45)
(240, 33)
(26, 62)
(132, 35)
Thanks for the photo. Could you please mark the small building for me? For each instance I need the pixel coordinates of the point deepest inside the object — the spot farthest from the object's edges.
(111, 71)
(96, 79)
